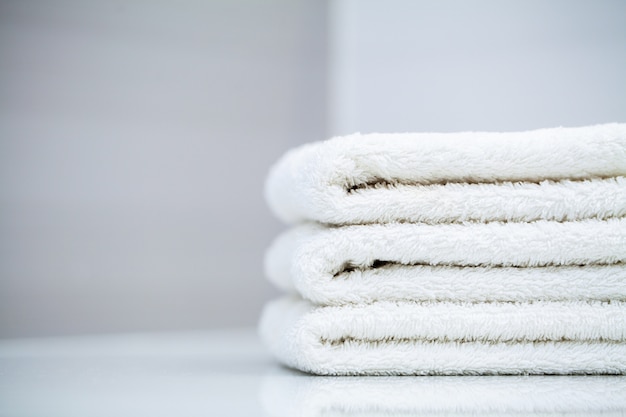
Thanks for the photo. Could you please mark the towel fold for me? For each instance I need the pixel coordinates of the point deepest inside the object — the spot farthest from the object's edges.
(472, 284)
(289, 394)
(557, 174)
(408, 338)
(473, 261)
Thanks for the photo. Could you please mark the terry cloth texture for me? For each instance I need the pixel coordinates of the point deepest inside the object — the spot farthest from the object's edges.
(409, 338)
(557, 174)
(451, 254)
(289, 394)
(471, 262)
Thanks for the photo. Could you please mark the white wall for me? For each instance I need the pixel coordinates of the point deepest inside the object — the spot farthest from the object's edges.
(134, 140)
(447, 65)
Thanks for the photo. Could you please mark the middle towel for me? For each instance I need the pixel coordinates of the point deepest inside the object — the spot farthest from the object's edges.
(543, 260)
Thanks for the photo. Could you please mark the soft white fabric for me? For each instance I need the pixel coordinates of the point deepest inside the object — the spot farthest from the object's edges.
(419, 261)
(472, 284)
(458, 253)
(454, 177)
(291, 394)
(460, 202)
(408, 338)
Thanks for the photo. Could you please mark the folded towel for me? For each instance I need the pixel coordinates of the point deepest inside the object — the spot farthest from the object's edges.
(350, 264)
(408, 338)
(552, 174)
(285, 393)
(472, 284)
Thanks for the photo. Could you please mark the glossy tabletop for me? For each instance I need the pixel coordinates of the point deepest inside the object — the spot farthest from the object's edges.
(229, 373)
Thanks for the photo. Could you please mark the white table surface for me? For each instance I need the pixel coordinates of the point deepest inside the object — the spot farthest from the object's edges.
(229, 373)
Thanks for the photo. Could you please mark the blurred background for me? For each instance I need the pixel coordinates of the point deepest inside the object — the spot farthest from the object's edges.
(135, 135)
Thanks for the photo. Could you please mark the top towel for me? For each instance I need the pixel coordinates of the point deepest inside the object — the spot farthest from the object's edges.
(548, 174)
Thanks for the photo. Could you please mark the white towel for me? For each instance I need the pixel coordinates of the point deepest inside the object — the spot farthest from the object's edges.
(285, 393)
(364, 263)
(407, 338)
(553, 174)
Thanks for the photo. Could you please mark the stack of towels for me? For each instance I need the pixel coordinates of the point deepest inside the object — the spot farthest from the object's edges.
(451, 253)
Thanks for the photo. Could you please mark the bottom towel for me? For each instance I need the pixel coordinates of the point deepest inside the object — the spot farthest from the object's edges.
(439, 338)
